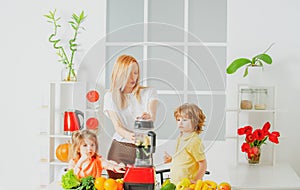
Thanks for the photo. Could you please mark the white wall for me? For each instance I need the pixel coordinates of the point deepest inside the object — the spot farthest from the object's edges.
(252, 26)
(29, 63)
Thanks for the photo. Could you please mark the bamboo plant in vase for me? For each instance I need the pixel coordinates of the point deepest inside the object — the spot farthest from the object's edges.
(68, 72)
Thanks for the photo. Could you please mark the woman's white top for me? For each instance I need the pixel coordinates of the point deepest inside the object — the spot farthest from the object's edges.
(133, 110)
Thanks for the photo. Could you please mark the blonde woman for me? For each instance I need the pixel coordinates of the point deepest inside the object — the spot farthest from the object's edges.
(123, 104)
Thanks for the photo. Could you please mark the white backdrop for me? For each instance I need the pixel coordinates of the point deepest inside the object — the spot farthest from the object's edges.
(29, 63)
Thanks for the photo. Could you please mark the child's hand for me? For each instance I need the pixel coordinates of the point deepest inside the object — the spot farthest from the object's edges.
(118, 169)
(167, 158)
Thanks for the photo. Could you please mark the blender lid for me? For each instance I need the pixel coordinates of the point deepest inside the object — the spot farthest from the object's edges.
(143, 124)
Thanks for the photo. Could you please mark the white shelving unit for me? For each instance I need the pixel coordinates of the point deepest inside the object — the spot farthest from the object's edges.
(63, 96)
(256, 117)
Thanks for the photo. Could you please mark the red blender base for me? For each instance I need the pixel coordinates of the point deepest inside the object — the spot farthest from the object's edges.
(139, 178)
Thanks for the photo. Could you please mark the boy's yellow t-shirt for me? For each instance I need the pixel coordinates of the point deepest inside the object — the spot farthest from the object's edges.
(189, 151)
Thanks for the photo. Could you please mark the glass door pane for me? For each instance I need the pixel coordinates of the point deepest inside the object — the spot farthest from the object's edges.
(165, 67)
(165, 124)
(125, 21)
(208, 20)
(206, 68)
(166, 20)
(213, 106)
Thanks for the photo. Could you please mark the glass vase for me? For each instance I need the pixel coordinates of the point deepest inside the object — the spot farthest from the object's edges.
(69, 74)
(254, 159)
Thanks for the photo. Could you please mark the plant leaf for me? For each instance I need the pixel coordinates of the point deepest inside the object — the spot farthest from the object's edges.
(265, 58)
(48, 16)
(236, 64)
(246, 72)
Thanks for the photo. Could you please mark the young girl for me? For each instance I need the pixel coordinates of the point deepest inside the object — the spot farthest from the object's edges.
(189, 159)
(84, 158)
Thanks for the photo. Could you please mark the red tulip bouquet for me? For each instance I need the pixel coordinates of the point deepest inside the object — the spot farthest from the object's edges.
(254, 139)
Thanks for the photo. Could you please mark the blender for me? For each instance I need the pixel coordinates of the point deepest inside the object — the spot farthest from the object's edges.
(141, 176)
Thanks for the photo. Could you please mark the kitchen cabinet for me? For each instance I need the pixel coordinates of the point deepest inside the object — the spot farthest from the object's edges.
(256, 105)
(63, 96)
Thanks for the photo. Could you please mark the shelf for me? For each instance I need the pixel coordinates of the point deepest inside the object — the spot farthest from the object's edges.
(54, 162)
(253, 110)
(248, 96)
(257, 111)
(62, 136)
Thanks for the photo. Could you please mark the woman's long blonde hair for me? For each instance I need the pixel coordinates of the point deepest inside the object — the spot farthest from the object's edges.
(119, 77)
(194, 113)
(78, 139)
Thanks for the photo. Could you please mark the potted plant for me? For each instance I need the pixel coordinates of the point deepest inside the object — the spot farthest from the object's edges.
(255, 138)
(256, 61)
(76, 20)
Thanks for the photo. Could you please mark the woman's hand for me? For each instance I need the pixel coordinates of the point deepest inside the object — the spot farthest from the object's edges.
(145, 116)
(130, 136)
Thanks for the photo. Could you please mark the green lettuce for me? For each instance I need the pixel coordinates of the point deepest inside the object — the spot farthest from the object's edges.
(69, 180)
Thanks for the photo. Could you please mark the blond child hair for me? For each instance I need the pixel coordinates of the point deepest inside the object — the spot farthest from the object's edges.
(78, 139)
(192, 112)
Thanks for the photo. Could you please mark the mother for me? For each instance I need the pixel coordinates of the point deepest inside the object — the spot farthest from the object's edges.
(123, 104)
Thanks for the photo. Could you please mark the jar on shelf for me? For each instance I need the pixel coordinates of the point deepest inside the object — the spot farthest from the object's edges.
(261, 95)
(246, 99)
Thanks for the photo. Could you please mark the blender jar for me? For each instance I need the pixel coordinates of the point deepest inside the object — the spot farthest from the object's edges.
(246, 99)
(261, 95)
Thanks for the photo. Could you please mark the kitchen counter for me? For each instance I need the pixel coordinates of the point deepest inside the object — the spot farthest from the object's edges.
(262, 177)
(247, 177)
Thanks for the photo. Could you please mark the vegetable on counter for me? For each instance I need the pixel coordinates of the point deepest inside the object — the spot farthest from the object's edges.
(185, 184)
(69, 180)
(87, 183)
(167, 185)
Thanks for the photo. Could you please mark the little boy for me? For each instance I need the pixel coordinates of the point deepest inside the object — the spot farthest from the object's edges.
(189, 158)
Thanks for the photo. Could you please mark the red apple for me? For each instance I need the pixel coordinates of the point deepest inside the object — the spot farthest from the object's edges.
(224, 186)
(92, 96)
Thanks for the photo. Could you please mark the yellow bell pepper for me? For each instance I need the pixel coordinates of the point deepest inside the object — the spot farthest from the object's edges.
(205, 186)
(192, 186)
(211, 184)
(184, 183)
(199, 184)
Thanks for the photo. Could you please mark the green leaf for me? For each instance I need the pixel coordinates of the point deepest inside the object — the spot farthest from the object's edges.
(47, 16)
(264, 57)
(74, 27)
(246, 72)
(81, 15)
(69, 180)
(236, 64)
(75, 17)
